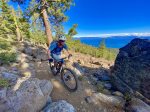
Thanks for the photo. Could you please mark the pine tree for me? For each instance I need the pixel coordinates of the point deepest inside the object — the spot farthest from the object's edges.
(12, 22)
(18, 32)
(59, 30)
(72, 31)
(7, 26)
(50, 12)
(23, 24)
(102, 48)
(102, 44)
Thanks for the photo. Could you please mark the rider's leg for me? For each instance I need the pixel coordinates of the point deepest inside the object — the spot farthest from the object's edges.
(60, 63)
(57, 59)
(55, 62)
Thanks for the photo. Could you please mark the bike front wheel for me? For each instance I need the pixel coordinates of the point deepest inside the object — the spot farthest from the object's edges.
(69, 79)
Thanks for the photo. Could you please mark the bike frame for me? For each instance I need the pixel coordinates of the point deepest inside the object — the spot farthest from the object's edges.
(58, 63)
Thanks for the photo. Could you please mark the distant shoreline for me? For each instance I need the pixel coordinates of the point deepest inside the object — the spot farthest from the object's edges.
(146, 34)
(111, 42)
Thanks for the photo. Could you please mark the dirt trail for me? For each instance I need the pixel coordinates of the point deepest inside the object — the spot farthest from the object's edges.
(77, 99)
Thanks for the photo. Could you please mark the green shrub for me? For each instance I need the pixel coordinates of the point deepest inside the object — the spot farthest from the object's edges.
(100, 87)
(37, 37)
(103, 52)
(7, 51)
(4, 83)
(80, 78)
(127, 96)
(7, 57)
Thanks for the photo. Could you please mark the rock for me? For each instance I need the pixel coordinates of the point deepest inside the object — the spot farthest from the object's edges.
(1, 62)
(97, 63)
(3, 93)
(117, 93)
(60, 106)
(95, 76)
(28, 51)
(27, 95)
(39, 53)
(42, 56)
(93, 80)
(3, 99)
(109, 99)
(46, 87)
(21, 47)
(27, 69)
(106, 102)
(100, 86)
(102, 77)
(28, 73)
(2, 69)
(22, 57)
(80, 61)
(82, 102)
(83, 110)
(24, 65)
(49, 100)
(34, 51)
(78, 69)
(137, 105)
(105, 78)
(107, 92)
(18, 58)
(132, 67)
(9, 76)
(36, 59)
(89, 99)
(108, 85)
(14, 69)
(30, 58)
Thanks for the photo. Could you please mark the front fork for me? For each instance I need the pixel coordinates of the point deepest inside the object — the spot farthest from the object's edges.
(59, 67)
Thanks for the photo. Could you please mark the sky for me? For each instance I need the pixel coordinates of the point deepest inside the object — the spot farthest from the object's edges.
(99, 17)
(109, 17)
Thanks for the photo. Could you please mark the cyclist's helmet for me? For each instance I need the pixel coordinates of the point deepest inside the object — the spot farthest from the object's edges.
(62, 37)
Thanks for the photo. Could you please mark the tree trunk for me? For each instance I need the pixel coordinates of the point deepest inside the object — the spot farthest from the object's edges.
(16, 24)
(18, 33)
(47, 26)
(21, 37)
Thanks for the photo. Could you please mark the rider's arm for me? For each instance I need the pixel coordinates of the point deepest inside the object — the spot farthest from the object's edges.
(51, 48)
(68, 52)
(66, 48)
(49, 54)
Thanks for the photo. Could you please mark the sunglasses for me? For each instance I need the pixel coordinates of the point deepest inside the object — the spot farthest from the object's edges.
(61, 41)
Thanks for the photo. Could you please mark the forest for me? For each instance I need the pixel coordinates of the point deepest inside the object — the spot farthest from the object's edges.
(41, 22)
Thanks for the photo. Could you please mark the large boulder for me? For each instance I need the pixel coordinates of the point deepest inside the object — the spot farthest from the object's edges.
(36, 52)
(78, 69)
(107, 103)
(26, 95)
(9, 76)
(137, 105)
(132, 67)
(60, 106)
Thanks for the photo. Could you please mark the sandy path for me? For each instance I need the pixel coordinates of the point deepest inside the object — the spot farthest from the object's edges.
(77, 99)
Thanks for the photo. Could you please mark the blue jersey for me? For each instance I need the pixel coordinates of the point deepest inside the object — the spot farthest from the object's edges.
(55, 49)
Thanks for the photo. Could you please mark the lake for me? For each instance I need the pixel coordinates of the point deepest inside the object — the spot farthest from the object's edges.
(111, 42)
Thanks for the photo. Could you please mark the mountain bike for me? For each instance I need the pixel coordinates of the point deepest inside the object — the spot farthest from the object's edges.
(68, 77)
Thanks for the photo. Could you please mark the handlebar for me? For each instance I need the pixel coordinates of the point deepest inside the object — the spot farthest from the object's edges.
(67, 57)
(62, 58)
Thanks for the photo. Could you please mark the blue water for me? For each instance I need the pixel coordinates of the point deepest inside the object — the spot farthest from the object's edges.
(112, 42)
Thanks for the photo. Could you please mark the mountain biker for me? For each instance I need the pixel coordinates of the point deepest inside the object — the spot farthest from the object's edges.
(56, 48)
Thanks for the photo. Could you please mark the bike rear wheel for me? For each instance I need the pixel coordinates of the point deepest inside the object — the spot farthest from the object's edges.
(69, 79)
